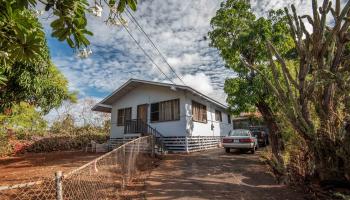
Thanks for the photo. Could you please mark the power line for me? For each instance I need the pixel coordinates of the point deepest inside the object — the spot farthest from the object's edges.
(149, 39)
(143, 50)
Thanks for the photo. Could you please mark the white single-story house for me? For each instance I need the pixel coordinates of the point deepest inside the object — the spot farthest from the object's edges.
(177, 112)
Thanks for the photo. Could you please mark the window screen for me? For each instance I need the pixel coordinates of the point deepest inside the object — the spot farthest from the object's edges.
(199, 112)
(165, 111)
(124, 114)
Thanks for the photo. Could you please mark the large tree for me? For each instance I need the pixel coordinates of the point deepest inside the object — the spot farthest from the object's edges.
(26, 71)
(30, 75)
(239, 37)
(315, 95)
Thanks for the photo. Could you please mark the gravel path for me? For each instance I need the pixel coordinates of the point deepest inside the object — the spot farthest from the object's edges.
(215, 175)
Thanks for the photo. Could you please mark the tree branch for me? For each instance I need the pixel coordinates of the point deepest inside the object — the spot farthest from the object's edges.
(263, 75)
(285, 70)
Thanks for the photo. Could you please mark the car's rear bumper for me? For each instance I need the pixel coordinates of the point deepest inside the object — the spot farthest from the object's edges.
(238, 145)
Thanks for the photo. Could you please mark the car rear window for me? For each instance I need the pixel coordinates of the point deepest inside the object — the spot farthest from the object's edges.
(239, 132)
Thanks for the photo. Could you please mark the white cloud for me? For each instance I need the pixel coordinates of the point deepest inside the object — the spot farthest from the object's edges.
(262, 7)
(303, 7)
(178, 29)
(200, 82)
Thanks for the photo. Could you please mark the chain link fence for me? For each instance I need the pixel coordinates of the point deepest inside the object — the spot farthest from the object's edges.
(103, 178)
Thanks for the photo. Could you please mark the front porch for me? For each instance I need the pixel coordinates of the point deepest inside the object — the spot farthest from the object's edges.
(172, 144)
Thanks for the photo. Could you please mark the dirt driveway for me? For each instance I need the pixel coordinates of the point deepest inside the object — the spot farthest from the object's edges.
(215, 175)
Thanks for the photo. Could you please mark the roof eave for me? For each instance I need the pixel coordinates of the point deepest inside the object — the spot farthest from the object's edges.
(102, 108)
(103, 102)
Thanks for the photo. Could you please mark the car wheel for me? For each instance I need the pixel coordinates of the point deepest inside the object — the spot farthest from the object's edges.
(227, 150)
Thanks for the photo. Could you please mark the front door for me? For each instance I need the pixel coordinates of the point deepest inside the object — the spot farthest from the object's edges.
(142, 112)
(142, 116)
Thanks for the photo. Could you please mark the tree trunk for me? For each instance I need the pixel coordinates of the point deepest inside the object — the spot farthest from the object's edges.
(330, 155)
(277, 144)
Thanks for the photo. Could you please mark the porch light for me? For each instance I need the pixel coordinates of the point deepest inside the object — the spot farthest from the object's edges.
(173, 88)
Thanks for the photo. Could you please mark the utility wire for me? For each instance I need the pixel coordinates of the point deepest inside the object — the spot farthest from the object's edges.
(143, 50)
(149, 39)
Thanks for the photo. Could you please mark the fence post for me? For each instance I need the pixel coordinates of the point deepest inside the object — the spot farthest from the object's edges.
(153, 138)
(124, 168)
(59, 192)
(186, 144)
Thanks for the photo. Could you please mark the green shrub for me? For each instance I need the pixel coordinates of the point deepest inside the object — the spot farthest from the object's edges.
(5, 147)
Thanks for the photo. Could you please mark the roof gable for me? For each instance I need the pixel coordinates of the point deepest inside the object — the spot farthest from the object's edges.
(106, 104)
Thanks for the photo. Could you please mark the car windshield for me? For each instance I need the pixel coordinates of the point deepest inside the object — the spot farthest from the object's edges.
(239, 132)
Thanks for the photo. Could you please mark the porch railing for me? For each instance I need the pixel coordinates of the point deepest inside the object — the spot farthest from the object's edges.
(141, 127)
(136, 126)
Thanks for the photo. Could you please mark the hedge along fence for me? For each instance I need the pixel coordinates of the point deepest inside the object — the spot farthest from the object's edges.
(103, 178)
(49, 143)
(63, 143)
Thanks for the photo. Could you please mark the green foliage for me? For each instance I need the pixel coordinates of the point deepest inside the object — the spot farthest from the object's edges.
(21, 35)
(5, 147)
(54, 89)
(242, 94)
(71, 22)
(241, 40)
(30, 85)
(3, 78)
(231, 29)
(26, 71)
(306, 72)
(65, 135)
(23, 120)
(64, 127)
(45, 88)
(24, 130)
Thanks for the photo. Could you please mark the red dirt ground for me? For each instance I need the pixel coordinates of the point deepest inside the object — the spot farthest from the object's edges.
(204, 175)
(31, 166)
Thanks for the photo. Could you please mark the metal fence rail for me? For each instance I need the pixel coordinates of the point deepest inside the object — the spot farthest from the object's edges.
(178, 144)
(103, 178)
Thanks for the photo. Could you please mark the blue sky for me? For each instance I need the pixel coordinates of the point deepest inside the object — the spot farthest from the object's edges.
(178, 29)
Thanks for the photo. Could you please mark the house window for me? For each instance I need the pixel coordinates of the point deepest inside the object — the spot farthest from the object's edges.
(229, 118)
(199, 112)
(124, 114)
(165, 111)
(218, 116)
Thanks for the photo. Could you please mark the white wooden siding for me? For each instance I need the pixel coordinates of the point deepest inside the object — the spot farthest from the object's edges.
(148, 94)
(204, 129)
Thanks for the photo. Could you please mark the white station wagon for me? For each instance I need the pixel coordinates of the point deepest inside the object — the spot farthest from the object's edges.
(241, 139)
